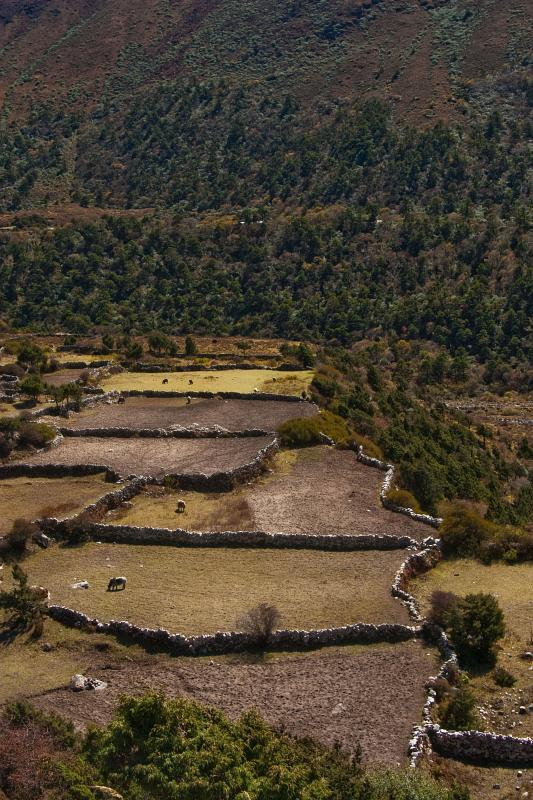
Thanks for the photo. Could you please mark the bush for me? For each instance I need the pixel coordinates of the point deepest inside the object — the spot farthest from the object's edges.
(20, 535)
(260, 622)
(401, 497)
(503, 678)
(35, 434)
(6, 446)
(441, 605)
(476, 623)
(463, 531)
(190, 346)
(458, 712)
(306, 432)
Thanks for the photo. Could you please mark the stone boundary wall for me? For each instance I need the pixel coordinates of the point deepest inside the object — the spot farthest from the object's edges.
(179, 537)
(175, 432)
(389, 469)
(235, 641)
(481, 747)
(287, 398)
(196, 481)
(87, 402)
(156, 368)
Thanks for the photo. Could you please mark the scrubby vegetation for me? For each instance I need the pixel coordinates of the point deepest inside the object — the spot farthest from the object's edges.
(17, 432)
(465, 534)
(306, 432)
(160, 748)
(475, 623)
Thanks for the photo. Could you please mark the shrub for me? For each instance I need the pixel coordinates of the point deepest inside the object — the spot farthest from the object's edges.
(260, 622)
(190, 346)
(476, 623)
(463, 531)
(306, 432)
(20, 535)
(26, 605)
(6, 446)
(35, 434)
(441, 605)
(401, 497)
(503, 678)
(32, 387)
(458, 711)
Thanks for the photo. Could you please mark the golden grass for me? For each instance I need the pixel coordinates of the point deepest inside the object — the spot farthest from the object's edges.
(232, 380)
(32, 498)
(200, 591)
(26, 669)
(204, 512)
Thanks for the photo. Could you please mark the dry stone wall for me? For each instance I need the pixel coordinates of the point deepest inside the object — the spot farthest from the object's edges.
(481, 747)
(389, 469)
(235, 641)
(175, 432)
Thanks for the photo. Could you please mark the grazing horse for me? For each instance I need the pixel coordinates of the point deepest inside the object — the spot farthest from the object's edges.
(116, 583)
(165, 380)
(180, 508)
(188, 401)
(121, 399)
(190, 381)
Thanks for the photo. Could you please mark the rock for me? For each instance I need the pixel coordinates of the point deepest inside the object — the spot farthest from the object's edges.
(80, 683)
(522, 710)
(496, 786)
(47, 647)
(106, 792)
(527, 656)
(80, 585)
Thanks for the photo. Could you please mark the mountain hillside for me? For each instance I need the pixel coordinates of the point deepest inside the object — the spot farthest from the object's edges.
(419, 54)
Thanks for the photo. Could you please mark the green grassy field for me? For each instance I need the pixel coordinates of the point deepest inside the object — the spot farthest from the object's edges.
(232, 380)
(32, 498)
(200, 591)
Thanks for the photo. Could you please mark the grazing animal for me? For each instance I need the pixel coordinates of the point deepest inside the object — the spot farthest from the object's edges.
(165, 380)
(256, 390)
(121, 400)
(116, 583)
(190, 381)
(188, 401)
(180, 508)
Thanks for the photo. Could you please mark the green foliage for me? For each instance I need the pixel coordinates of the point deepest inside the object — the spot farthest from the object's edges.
(309, 431)
(35, 434)
(177, 748)
(502, 677)
(401, 497)
(26, 605)
(464, 533)
(476, 623)
(190, 346)
(30, 353)
(32, 387)
(457, 712)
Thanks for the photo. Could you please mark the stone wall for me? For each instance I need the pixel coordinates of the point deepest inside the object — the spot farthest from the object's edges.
(425, 519)
(235, 641)
(287, 398)
(130, 534)
(481, 747)
(176, 432)
(20, 470)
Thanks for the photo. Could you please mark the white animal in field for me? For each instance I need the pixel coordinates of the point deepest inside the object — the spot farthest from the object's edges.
(116, 583)
(180, 508)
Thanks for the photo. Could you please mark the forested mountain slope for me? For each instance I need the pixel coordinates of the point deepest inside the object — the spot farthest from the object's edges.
(317, 169)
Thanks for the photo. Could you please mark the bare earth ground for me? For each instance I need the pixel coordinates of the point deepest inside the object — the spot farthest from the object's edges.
(327, 491)
(193, 591)
(160, 412)
(62, 376)
(155, 457)
(369, 695)
(32, 498)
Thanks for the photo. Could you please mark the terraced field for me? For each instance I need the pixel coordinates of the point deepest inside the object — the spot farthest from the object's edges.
(160, 412)
(231, 380)
(194, 591)
(155, 457)
(32, 498)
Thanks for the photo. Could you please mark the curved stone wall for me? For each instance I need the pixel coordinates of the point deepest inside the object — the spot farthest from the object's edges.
(175, 432)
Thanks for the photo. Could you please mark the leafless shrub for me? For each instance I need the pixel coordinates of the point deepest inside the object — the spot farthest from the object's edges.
(441, 604)
(260, 622)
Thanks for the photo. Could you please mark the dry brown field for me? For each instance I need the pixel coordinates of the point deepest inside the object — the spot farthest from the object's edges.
(369, 695)
(154, 457)
(160, 412)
